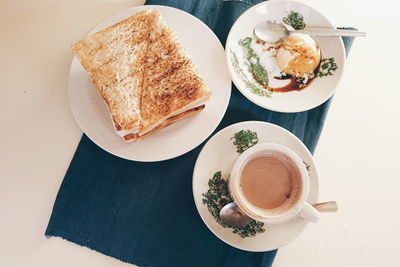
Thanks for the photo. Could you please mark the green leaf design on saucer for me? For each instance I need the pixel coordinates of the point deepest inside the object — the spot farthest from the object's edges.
(252, 85)
(217, 197)
(327, 67)
(253, 62)
(295, 19)
(244, 139)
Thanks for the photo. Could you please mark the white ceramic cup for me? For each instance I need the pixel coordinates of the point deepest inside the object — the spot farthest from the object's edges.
(298, 207)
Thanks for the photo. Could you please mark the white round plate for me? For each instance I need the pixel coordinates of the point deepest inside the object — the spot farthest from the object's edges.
(295, 101)
(204, 48)
(219, 154)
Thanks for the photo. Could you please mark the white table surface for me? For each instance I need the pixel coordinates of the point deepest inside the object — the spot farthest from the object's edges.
(357, 154)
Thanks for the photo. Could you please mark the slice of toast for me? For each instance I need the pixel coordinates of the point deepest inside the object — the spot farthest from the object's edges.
(171, 83)
(114, 58)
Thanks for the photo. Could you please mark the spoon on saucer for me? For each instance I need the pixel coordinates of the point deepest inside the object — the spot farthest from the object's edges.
(273, 31)
(231, 214)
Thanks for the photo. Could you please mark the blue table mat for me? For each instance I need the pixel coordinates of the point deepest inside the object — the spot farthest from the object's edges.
(144, 213)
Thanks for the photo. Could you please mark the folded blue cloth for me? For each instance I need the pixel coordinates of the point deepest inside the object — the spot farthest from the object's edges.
(144, 213)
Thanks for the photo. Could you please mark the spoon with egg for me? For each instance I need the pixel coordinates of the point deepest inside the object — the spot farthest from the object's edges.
(273, 31)
(232, 215)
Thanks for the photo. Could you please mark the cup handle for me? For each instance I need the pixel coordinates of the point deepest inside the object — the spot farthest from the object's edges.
(309, 213)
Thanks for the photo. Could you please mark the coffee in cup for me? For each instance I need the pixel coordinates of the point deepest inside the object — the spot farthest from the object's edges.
(270, 183)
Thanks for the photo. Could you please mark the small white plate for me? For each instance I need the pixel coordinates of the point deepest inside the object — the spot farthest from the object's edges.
(295, 101)
(219, 154)
(208, 54)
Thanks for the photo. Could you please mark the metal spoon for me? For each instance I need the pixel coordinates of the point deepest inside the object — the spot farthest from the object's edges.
(272, 31)
(231, 214)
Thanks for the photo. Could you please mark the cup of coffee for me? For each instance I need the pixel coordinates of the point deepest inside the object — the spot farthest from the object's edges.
(270, 183)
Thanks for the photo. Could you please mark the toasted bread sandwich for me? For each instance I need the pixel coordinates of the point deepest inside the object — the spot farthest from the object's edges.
(143, 74)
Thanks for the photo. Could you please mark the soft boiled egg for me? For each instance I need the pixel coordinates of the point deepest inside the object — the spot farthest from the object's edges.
(298, 55)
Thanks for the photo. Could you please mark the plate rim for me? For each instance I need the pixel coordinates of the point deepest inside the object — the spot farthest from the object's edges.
(198, 202)
(134, 10)
(266, 106)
